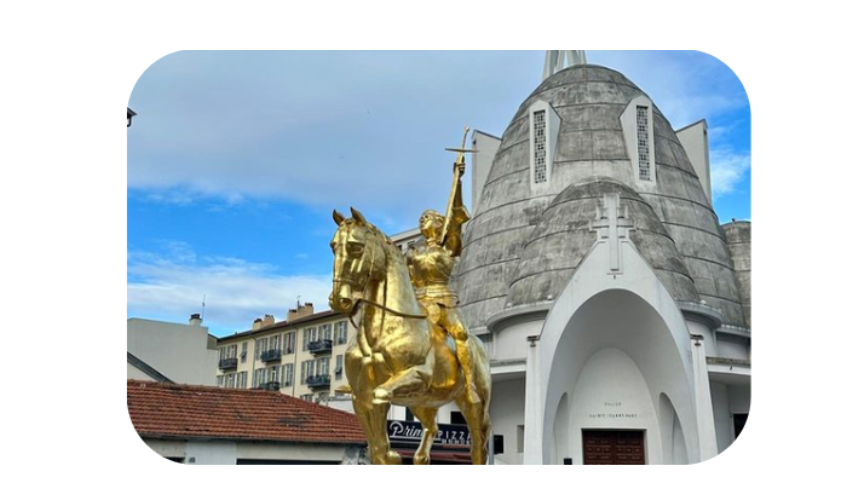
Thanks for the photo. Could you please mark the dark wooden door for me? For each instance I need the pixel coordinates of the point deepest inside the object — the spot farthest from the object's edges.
(614, 447)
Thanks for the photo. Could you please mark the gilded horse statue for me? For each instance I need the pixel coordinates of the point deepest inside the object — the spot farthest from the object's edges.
(399, 356)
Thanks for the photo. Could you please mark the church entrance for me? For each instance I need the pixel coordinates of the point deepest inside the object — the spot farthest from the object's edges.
(611, 447)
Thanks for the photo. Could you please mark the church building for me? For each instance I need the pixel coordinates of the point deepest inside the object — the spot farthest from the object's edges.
(615, 307)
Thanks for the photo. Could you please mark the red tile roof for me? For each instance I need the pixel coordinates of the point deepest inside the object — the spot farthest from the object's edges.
(188, 411)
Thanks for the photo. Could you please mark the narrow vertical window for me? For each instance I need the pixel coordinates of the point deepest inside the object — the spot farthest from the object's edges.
(643, 143)
(520, 439)
(289, 368)
(539, 147)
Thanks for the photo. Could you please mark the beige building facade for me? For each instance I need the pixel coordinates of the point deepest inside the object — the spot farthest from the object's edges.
(300, 357)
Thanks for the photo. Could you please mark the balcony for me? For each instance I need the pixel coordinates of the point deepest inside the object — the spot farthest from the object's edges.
(270, 386)
(323, 345)
(318, 381)
(227, 364)
(271, 355)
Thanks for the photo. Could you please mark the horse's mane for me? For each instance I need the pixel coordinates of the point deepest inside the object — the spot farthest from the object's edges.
(394, 250)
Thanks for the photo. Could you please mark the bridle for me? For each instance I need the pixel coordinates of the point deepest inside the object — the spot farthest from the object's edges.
(383, 307)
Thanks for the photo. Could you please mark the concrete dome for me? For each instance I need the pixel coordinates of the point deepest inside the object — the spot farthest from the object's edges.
(563, 237)
(589, 101)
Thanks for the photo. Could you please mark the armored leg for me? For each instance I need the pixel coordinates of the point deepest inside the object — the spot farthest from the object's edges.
(455, 327)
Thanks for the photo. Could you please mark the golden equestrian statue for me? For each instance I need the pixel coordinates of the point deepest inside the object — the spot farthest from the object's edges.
(411, 348)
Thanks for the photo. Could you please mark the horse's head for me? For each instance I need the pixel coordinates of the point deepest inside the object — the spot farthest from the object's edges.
(359, 258)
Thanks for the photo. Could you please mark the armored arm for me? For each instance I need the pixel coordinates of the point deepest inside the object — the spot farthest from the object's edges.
(456, 214)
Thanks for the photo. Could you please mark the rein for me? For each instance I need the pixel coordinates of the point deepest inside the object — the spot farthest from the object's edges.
(385, 308)
(382, 307)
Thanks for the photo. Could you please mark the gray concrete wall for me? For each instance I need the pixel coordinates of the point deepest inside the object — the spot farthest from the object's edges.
(694, 138)
(506, 411)
(722, 416)
(487, 145)
(134, 373)
(738, 240)
(180, 352)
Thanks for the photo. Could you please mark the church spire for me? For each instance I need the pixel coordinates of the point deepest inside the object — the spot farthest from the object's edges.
(555, 60)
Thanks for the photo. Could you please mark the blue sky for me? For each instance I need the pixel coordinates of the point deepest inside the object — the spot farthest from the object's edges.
(237, 159)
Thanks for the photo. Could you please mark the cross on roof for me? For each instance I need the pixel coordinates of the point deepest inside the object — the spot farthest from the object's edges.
(611, 225)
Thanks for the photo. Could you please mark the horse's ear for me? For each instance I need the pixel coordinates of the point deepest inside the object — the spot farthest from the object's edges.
(358, 216)
(338, 218)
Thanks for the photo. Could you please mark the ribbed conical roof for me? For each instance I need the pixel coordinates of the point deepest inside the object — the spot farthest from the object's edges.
(504, 232)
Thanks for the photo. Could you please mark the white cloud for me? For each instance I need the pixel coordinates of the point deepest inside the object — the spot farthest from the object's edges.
(293, 126)
(172, 287)
(687, 86)
(728, 168)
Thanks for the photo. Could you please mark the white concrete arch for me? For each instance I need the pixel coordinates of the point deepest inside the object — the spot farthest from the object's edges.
(674, 449)
(632, 320)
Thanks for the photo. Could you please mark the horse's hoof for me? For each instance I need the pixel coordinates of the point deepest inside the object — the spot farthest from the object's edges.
(421, 459)
(393, 458)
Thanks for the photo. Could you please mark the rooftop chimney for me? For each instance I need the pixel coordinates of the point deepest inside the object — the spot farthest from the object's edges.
(258, 323)
(302, 311)
(268, 320)
(195, 320)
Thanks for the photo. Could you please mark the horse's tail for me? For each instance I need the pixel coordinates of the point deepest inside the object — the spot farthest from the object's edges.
(484, 390)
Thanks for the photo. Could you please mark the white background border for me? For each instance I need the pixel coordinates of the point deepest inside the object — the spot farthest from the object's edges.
(69, 70)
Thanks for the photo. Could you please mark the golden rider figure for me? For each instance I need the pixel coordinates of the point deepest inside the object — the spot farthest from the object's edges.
(431, 266)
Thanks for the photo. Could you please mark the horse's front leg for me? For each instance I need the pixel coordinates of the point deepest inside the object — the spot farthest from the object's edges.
(379, 444)
(428, 417)
(411, 381)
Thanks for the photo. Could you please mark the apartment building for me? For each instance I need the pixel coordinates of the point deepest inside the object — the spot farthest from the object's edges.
(300, 357)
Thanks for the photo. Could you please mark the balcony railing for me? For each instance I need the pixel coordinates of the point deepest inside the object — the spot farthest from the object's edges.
(228, 363)
(322, 345)
(316, 381)
(271, 355)
(270, 386)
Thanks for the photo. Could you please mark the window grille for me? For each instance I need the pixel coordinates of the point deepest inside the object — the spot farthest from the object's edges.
(643, 143)
(539, 147)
